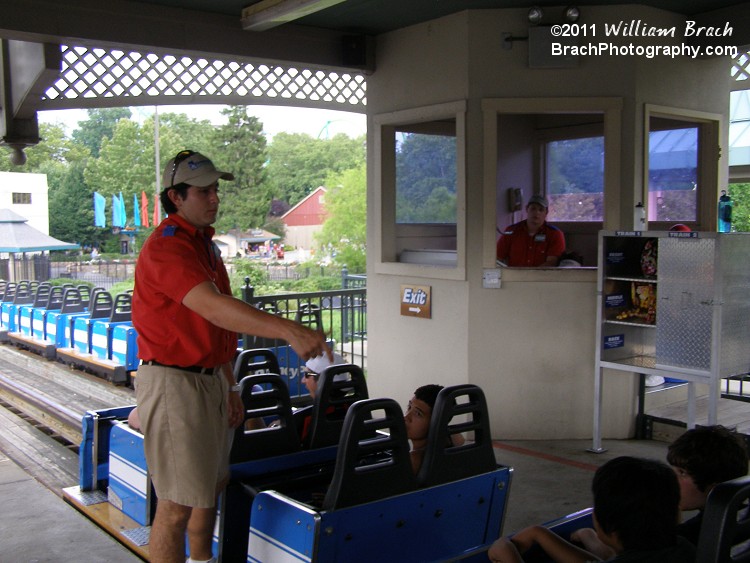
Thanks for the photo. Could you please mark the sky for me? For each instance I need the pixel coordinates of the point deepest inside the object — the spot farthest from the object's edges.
(275, 119)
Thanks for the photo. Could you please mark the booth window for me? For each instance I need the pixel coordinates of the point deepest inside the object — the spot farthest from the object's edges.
(425, 178)
(421, 200)
(574, 179)
(672, 172)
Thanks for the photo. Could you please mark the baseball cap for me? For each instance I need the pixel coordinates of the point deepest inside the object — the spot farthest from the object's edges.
(679, 227)
(193, 169)
(539, 199)
(322, 362)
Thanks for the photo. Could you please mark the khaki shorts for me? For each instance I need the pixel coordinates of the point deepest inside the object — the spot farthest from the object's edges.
(185, 427)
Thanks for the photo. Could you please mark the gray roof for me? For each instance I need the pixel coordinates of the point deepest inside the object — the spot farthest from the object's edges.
(16, 235)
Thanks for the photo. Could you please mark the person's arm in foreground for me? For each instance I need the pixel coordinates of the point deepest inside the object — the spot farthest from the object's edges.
(592, 543)
(553, 545)
(230, 313)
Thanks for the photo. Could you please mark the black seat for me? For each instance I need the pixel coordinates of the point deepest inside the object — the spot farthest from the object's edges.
(373, 460)
(255, 361)
(73, 301)
(264, 396)
(725, 529)
(41, 295)
(100, 304)
(9, 292)
(308, 314)
(121, 308)
(338, 387)
(25, 293)
(85, 292)
(55, 297)
(444, 462)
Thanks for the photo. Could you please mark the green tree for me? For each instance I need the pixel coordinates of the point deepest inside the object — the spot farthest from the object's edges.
(298, 164)
(54, 148)
(127, 161)
(740, 194)
(426, 165)
(345, 229)
(100, 125)
(71, 215)
(125, 165)
(241, 149)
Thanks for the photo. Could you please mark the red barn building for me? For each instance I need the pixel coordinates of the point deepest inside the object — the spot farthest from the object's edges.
(305, 219)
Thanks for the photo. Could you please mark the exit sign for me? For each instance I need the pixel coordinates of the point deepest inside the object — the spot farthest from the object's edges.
(416, 301)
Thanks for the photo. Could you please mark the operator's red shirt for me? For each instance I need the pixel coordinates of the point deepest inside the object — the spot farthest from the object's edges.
(174, 259)
(516, 248)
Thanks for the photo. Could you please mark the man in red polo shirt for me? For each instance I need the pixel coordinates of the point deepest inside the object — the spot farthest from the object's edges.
(187, 323)
(532, 242)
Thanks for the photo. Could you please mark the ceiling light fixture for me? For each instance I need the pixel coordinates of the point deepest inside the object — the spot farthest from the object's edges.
(571, 14)
(271, 13)
(535, 15)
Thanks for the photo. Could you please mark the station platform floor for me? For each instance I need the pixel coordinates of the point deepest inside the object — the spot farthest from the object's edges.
(37, 525)
(550, 479)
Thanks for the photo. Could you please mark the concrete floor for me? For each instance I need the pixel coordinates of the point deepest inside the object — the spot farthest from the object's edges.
(550, 479)
(38, 526)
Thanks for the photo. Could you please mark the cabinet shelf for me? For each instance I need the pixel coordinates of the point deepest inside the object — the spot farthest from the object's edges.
(637, 280)
(687, 340)
(640, 362)
(630, 323)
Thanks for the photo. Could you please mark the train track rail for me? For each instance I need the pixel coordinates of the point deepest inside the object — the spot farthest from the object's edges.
(41, 405)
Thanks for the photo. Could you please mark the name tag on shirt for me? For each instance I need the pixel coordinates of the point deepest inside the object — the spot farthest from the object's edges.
(540, 238)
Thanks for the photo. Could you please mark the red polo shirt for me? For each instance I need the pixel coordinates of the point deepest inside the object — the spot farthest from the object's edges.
(516, 248)
(174, 259)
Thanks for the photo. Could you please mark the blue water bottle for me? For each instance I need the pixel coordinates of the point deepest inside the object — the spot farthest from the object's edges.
(725, 212)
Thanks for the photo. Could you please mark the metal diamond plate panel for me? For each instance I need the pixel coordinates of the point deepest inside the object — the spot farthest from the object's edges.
(685, 306)
(87, 498)
(139, 536)
(734, 358)
(145, 78)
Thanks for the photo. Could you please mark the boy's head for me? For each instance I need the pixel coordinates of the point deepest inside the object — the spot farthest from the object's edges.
(702, 458)
(710, 454)
(419, 411)
(428, 393)
(636, 504)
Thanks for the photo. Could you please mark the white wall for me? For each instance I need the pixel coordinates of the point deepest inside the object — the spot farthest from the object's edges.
(302, 236)
(530, 345)
(36, 184)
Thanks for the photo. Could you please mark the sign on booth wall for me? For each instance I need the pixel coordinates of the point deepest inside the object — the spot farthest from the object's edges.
(416, 301)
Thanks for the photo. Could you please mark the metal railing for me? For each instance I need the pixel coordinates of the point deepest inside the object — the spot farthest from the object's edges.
(736, 388)
(341, 314)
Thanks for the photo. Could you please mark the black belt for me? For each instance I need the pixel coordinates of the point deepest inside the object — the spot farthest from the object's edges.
(193, 369)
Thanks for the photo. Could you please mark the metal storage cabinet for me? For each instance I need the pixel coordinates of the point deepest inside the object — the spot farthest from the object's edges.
(673, 304)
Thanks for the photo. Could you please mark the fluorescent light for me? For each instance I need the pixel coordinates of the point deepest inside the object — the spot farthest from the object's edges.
(271, 13)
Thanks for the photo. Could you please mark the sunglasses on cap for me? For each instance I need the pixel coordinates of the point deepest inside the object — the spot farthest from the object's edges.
(180, 157)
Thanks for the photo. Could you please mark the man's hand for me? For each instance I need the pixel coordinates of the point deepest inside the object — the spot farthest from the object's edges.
(308, 343)
(235, 409)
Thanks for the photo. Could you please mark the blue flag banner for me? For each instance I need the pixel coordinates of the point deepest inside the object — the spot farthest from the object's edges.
(115, 211)
(117, 215)
(99, 202)
(123, 214)
(136, 212)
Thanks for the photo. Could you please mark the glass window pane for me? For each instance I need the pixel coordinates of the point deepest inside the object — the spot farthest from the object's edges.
(575, 179)
(425, 178)
(673, 174)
